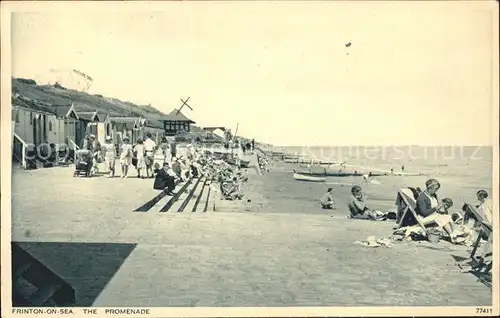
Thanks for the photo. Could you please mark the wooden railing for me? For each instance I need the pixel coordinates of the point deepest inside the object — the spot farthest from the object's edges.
(19, 150)
(75, 148)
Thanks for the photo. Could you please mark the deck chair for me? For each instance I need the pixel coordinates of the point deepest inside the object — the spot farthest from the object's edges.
(471, 213)
(479, 261)
(485, 231)
(407, 201)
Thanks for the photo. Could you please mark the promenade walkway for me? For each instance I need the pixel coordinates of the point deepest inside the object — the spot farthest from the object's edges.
(87, 232)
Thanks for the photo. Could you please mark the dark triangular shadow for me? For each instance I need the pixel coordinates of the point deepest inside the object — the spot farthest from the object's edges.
(86, 267)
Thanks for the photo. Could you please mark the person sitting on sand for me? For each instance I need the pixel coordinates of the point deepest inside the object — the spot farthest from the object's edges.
(231, 189)
(165, 179)
(327, 201)
(427, 210)
(485, 207)
(358, 208)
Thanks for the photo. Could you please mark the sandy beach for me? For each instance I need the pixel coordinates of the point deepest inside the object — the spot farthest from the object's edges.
(278, 249)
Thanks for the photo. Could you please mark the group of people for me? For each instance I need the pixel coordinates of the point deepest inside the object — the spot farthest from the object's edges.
(197, 164)
(231, 180)
(248, 147)
(429, 209)
(141, 154)
(263, 163)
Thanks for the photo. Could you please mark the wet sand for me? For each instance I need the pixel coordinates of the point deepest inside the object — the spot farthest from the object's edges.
(280, 249)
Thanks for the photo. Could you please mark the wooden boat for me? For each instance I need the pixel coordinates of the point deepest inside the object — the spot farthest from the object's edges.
(300, 177)
(340, 174)
(357, 174)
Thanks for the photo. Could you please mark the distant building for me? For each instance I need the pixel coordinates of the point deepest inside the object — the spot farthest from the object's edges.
(219, 131)
(176, 122)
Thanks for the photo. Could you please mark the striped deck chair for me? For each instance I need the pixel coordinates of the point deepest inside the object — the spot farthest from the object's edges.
(485, 231)
(472, 215)
(406, 209)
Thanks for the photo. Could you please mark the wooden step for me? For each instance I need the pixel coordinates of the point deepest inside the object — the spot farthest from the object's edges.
(190, 193)
(163, 202)
(190, 207)
(43, 295)
(162, 199)
(213, 192)
(202, 199)
(146, 207)
(52, 289)
(177, 197)
(183, 199)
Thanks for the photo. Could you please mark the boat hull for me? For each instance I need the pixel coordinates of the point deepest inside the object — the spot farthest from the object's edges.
(300, 177)
(352, 174)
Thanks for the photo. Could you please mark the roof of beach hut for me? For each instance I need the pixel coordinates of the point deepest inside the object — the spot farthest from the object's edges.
(176, 115)
(89, 116)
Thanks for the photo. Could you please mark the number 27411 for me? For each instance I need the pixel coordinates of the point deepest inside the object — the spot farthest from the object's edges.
(484, 310)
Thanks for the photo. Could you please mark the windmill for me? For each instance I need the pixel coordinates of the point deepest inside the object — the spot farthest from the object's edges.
(184, 103)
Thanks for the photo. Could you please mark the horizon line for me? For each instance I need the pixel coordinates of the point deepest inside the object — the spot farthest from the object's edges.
(381, 145)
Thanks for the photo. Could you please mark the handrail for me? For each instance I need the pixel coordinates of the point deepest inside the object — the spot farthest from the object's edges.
(75, 146)
(23, 150)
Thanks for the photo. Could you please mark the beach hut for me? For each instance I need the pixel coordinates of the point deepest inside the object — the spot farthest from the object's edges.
(131, 127)
(176, 122)
(68, 125)
(87, 124)
(32, 126)
(155, 127)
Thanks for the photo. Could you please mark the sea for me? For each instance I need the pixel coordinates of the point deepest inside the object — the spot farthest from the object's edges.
(462, 171)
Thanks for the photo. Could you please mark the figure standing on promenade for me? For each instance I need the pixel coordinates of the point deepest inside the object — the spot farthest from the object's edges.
(165, 149)
(327, 201)
(173, 149)
(125, 156)
(253, 144)
(149, 148)
(139, 151)
(109, 152)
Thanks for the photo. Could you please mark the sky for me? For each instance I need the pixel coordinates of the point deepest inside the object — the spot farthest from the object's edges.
(415, 73)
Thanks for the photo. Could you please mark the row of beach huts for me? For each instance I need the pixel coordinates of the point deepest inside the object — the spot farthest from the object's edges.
(54, 116)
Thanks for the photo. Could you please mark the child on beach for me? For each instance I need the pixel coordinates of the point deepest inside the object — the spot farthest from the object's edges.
(327, 201)
(485, 206)
(109, 152)
(358, 208)
(140, 151)
(125, 156)
(447, 204)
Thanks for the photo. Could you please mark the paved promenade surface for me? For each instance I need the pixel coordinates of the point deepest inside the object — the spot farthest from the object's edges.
(239, 255)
